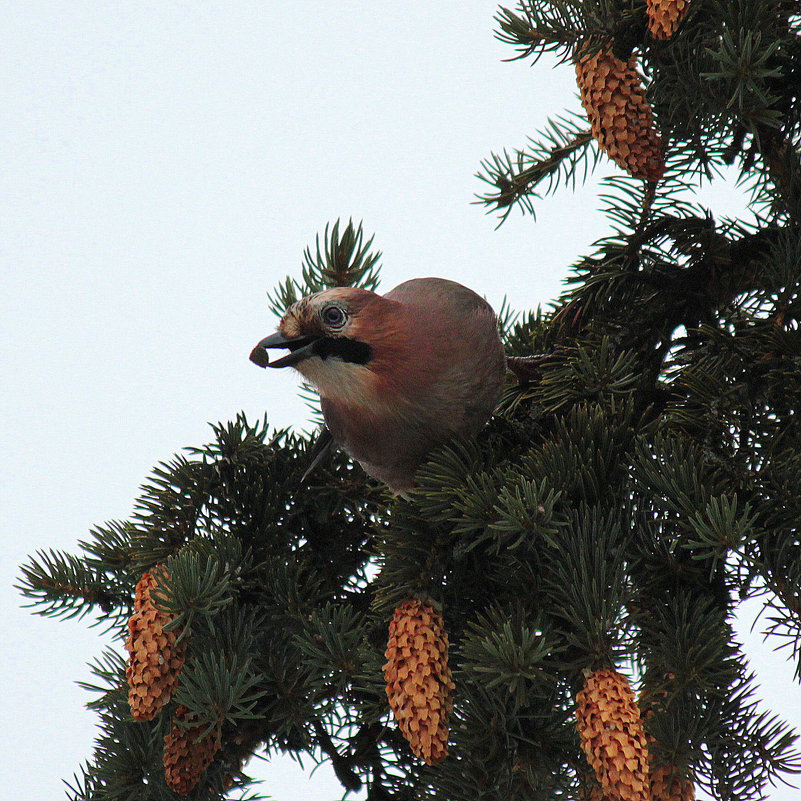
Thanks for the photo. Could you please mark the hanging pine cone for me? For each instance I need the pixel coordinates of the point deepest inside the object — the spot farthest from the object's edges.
(621, 118)
(156, 656)
(612, 736)
(669, 784)
(665, 16)
(185, 755)
(418, 678)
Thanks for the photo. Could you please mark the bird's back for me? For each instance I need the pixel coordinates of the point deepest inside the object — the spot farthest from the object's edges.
(459, 358)
(454, 336)
(439, 293)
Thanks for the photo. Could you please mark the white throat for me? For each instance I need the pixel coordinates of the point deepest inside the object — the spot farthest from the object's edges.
(344, 382)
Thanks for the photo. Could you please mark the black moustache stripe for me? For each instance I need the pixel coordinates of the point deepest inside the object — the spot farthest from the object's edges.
(349, 350)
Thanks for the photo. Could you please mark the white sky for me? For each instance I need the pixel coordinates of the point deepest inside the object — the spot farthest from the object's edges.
(165, 163)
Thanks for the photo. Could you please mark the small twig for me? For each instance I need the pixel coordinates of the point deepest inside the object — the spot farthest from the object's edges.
(526, 368)
(348, 777)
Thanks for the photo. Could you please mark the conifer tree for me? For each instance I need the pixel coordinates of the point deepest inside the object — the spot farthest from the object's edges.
(564, 585)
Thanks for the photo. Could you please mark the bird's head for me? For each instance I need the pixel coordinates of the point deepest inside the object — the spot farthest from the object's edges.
(329, 335)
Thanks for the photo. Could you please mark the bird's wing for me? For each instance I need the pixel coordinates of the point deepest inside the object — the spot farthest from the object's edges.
(319, 450)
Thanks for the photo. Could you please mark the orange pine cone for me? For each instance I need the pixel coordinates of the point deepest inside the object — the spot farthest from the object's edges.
(665, 16)
(668, 784)
(612, 736)
(619, 114)
(155, 656)
(418, 678)
(186, 756)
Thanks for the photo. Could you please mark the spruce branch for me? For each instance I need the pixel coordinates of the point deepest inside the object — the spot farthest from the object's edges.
(348, 778)
(197, 585)
(538, 28)
(586, 578)
(110, 548)
(218, 688)
(109, 670)
(558, 157)
(747, 749)
(341, 259)
(518, 31)
(60, 584)
(516, 654)
(746, 67)
(331, 637)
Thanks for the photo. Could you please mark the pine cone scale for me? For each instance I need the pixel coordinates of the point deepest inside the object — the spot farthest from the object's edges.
(155, 656)
(613, 737)
(619, 114)
(418, 679)
(665, 16)
(186, 754)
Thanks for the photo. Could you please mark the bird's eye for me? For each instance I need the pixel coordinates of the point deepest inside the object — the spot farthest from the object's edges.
(333, 316)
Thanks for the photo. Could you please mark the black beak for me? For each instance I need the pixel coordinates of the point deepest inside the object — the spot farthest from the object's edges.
(301, 347)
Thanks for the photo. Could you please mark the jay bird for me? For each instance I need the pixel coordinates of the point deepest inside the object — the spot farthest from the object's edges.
(397, 374)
